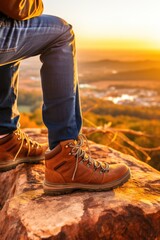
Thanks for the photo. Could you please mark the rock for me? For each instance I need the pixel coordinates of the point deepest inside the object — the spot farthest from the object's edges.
(131, 212)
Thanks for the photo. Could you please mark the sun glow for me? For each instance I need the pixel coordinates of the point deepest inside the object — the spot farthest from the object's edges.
(132, 44)
(111, 24)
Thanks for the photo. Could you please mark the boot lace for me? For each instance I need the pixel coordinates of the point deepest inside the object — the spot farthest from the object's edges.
(24, 138)
(78, 152)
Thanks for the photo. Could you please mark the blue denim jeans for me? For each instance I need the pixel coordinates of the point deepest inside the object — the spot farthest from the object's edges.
(53, 39)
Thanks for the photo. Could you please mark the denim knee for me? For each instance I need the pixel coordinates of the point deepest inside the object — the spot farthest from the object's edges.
(67, 29)
(66, 33)
(65, 38)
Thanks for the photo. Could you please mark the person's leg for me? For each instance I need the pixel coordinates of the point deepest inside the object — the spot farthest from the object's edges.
(9, 115)
(67, 166)
(61, 108)
(52, 39)
(15, 146)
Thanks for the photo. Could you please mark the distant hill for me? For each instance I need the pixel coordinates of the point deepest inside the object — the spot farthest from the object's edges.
(95, 71)
(148, 74)
(120, 65)
(119, 70)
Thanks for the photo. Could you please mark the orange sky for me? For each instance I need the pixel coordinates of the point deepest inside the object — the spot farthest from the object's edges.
(116, 24)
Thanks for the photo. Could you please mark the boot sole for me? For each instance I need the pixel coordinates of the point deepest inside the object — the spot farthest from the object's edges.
(58, 189)
(14, 164)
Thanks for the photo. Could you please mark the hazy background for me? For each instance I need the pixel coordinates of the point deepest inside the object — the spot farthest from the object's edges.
(109, 24)
(118, 51)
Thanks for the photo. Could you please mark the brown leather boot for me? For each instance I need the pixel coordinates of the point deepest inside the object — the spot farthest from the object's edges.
(18, 148)
(68, 167)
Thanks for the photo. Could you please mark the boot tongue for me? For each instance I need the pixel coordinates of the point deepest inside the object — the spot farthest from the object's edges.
(66, 142)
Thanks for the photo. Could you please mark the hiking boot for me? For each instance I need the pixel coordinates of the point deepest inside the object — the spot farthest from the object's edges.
(18, 148)
(68, 167)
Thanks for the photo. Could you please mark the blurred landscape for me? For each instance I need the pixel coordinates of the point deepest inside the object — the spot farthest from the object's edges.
(123, 93)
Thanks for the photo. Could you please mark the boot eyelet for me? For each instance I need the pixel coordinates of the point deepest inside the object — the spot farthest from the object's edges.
(18, 139)
(66, 146)
(69, 153)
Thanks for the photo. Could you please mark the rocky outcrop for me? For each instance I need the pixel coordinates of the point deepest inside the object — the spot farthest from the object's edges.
(131, 212)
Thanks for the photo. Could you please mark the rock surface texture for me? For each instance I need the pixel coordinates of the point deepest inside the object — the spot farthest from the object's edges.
(131, 212)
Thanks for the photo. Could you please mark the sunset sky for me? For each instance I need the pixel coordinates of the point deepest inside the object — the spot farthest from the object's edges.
(118, 24)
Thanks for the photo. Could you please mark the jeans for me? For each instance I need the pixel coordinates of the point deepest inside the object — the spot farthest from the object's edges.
(53, 39)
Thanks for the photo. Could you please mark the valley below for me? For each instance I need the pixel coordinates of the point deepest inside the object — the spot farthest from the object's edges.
(124, 95)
